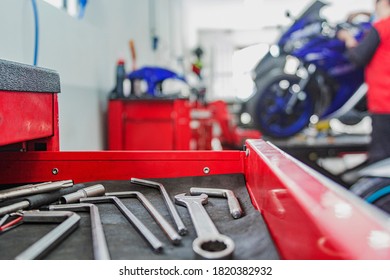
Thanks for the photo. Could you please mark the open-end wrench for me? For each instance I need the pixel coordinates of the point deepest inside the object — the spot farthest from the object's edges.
(139, 226)
(181, 228)
(161, 221)
(234, 205)
(99, 243)
(209, 244)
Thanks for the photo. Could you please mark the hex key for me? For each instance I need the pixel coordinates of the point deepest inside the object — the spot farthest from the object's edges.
(145, 232)
(234, 205)
(161, 221)
(100, 248)
(69, 221)
(171, 207)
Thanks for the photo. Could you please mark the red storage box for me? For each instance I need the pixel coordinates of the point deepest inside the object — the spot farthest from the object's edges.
(133, 122)
(308, 216)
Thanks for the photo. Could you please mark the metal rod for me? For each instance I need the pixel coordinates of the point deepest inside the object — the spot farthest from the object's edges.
(69, 221)
(234, 205)
(4, 219)
(14, 207)
(145, 232)
(37, 200)
(14, 223)
(161, 221)
(23, 187)
(171, 207)
(35, 189)
(95, 190)
(99, 243)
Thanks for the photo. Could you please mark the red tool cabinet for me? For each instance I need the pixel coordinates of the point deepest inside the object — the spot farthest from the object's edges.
(172, 124)
(149, 124)
(308, 216)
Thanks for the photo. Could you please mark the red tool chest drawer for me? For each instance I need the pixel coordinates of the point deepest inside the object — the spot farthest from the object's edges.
(28, 106)
(25, 116)
(307, 216)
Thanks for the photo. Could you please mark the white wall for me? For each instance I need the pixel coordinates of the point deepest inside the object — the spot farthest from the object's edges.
(84, 52)
(254, 14)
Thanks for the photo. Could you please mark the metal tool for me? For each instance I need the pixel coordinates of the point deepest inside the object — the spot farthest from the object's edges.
(171, 207)
(209, 244)
(11, 224)
(23, 187)
(4, 219)
(100, 248)
(234, 205)
(68, 223)
(161, 221)
(95, 190)
(141, 228)
(14, 207)
(38, 200)
(35, 189)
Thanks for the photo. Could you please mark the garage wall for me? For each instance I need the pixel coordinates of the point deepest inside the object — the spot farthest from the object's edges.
(84, 52)
(255, 14)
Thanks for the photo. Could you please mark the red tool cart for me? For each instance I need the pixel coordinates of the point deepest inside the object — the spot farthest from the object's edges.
(179, 124)
(305, 215)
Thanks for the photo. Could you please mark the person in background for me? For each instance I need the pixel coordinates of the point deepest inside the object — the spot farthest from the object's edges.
(373, 53)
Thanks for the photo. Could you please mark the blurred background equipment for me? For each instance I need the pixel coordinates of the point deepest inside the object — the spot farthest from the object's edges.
(306, 77)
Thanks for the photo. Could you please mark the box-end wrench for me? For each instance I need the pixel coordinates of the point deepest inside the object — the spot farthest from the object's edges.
(209, 244)
(171, 207)
(234, 205)
(161, 221)
(139, 226)
(99, 243)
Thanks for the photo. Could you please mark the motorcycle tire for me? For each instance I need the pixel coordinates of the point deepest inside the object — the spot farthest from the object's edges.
(374, 190)
(270, 102)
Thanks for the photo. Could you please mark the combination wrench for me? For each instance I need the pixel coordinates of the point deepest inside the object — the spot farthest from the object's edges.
(209, 244)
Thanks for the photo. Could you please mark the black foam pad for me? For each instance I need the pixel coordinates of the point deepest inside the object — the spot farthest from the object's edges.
(21, 77)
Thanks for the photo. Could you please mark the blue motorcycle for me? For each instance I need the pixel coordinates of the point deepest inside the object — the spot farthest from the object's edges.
(306, 76)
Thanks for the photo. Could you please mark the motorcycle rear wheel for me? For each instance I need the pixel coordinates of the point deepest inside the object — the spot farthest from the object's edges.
(374, 190)
(271, 117)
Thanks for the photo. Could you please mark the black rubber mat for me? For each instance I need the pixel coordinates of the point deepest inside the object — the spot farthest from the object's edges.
(250, 233)
(22, 77)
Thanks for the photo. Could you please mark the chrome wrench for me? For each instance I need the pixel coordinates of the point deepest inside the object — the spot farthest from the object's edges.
(209, 244)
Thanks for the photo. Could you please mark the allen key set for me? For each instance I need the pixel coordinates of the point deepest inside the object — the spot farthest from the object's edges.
(59, 203)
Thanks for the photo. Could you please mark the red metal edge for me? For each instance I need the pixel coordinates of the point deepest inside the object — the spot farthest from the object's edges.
(115, 124)
(310, 217)
(19, 167)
